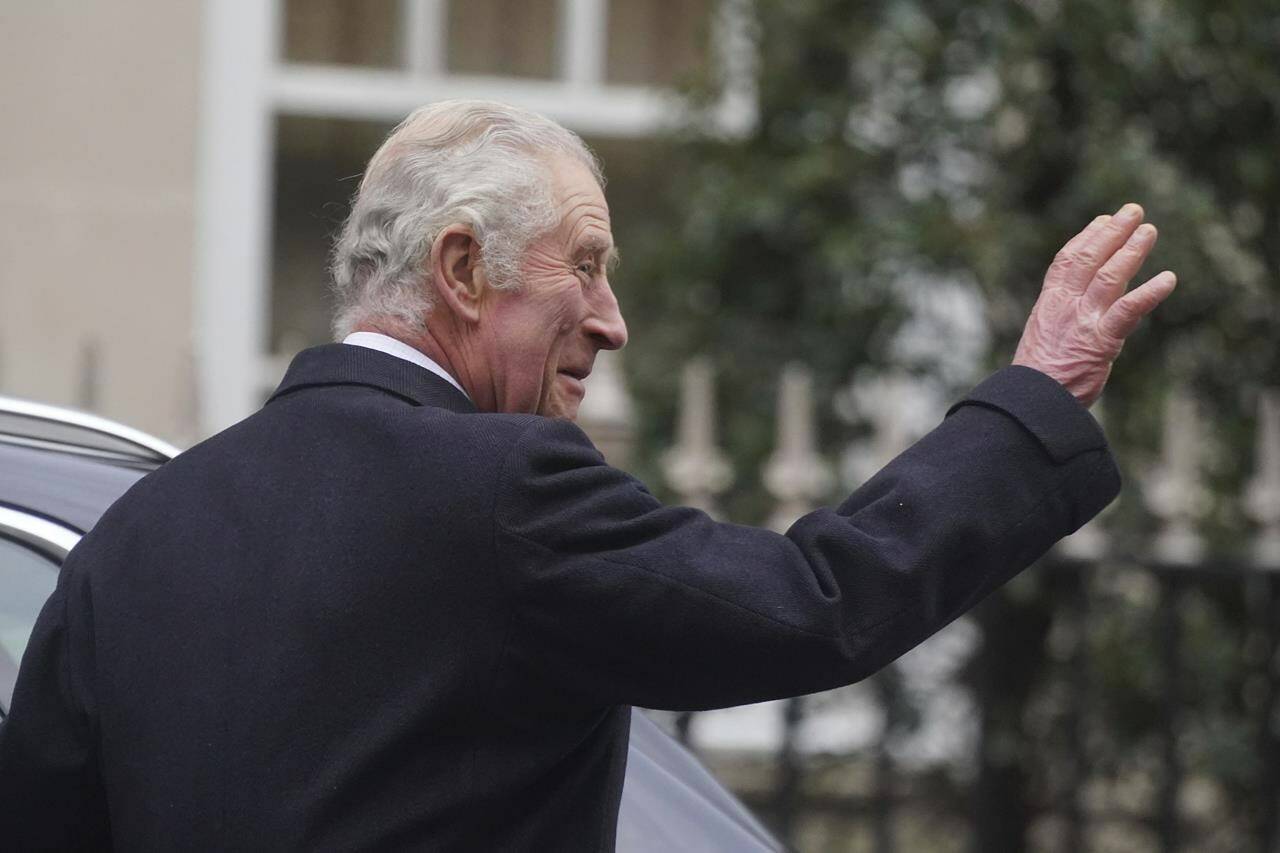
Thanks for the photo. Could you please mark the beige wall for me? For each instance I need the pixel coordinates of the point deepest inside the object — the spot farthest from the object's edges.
(97, 176)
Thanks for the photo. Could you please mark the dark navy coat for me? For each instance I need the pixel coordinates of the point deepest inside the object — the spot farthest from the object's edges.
(370, 618)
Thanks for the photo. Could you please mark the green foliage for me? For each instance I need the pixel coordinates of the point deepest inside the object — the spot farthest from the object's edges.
(900, 143)
(904, 143)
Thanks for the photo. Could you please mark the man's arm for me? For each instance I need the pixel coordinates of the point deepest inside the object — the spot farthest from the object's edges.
(618, 599)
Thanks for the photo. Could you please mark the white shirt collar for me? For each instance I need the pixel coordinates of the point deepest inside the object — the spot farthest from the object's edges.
(391, 346)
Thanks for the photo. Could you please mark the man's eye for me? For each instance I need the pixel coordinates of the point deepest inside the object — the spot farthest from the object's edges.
(587, 268)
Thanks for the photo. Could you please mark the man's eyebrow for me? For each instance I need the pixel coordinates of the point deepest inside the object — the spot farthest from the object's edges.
(600, 246)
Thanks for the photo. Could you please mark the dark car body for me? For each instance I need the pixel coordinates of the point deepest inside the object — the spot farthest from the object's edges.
(59, 472)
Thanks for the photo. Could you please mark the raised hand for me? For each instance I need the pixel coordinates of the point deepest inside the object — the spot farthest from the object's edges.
(1083, 315)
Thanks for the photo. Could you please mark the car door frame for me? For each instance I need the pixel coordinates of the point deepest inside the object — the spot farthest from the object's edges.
(47, 538)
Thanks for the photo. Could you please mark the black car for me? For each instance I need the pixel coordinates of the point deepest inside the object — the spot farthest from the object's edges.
(60, 470)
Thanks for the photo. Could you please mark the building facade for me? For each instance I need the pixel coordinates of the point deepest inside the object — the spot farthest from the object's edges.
(172, 172)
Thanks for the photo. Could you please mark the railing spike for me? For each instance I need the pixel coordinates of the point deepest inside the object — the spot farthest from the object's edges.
(1262, 495)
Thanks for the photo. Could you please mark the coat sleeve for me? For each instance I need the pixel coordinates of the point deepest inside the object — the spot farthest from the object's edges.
(51, 796)
(615, 598)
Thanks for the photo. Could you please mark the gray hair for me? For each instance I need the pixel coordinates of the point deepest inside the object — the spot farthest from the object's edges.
(475, 163)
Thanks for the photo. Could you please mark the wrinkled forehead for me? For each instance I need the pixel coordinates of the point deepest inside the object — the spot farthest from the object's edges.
(580, 202)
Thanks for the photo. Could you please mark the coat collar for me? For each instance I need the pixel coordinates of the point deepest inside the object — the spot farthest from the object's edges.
(343, 364)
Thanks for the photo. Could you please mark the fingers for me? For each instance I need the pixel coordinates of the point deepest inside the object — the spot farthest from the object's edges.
(1114, 277)
(1087, 236)
(1079, 261)
(1123, 316)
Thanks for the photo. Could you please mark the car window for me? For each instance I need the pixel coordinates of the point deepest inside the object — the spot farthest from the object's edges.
(26, 580)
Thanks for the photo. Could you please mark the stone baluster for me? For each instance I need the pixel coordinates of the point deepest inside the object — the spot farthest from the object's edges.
(607, 414)
(1090, 542)
(894, 431)
(1262, 496)
(898, 413)
(1175, 492)
(695, 468)
(795, 475)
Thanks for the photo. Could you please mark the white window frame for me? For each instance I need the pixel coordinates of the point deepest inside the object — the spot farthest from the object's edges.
(246, 84)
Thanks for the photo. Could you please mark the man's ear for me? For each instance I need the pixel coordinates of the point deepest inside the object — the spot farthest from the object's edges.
(456, 272)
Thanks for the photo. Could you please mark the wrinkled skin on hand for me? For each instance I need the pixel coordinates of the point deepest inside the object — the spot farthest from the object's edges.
(1083, 315)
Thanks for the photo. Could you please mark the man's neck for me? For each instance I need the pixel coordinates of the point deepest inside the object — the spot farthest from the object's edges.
(377, 339)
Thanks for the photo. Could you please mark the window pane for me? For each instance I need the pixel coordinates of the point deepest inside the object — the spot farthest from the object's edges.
(26, 580)
(655, 42)
(514, 38)
(343, 32)
(318, 166)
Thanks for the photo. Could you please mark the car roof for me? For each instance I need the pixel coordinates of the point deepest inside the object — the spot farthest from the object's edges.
(69, 466)
(27, 422)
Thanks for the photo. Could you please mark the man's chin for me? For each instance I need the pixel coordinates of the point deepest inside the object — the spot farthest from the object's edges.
(565, 410)
(565, 397)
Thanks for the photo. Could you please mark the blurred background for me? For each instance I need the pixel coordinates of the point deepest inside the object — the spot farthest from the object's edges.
(834, 218)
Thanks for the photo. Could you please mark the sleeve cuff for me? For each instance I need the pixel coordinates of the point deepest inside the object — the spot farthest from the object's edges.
(1046, 409)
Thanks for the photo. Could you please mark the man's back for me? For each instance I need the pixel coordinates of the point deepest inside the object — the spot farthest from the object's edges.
(368, 617)
(289, 636)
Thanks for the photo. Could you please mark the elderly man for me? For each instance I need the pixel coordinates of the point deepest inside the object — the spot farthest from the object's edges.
(408, 606)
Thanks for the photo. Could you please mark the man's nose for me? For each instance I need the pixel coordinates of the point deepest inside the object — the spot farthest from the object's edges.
(605, 325)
